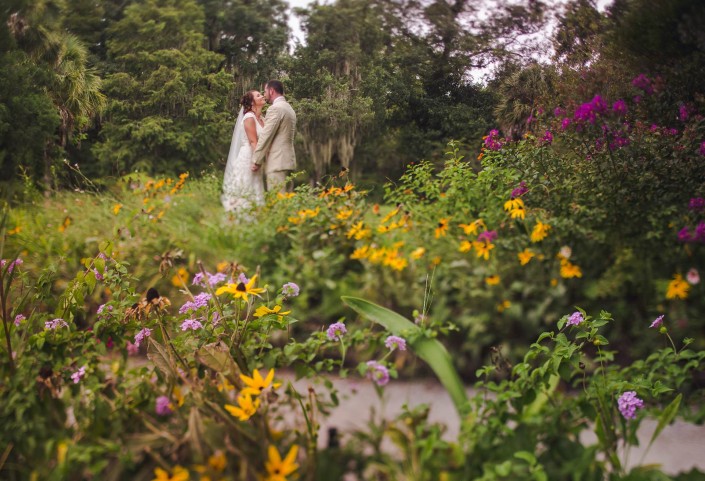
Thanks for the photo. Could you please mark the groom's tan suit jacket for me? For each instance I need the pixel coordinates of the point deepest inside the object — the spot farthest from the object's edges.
(276, 142)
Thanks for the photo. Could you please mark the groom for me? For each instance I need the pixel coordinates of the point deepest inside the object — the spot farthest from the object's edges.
(276, 141)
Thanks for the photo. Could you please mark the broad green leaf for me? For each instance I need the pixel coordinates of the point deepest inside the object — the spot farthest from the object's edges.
(160, 357)
(217, 357)
(430, 350)
(666, 417)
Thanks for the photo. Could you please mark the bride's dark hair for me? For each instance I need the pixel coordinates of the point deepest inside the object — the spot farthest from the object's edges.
(247, 101)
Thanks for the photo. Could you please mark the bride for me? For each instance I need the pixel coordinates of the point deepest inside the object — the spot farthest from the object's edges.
(242, 188)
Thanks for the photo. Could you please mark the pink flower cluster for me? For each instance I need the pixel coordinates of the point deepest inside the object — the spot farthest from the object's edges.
(492, 141)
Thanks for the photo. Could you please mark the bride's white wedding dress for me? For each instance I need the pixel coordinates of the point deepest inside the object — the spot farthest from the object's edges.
(242, 188)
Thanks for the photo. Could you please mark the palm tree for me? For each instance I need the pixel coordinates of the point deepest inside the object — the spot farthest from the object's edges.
(520, 96)
(74, 87)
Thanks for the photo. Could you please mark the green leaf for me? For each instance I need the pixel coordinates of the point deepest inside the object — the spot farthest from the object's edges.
(526, 456)
(160, 357)
(666, 417)
(430, 350)
(217, 357)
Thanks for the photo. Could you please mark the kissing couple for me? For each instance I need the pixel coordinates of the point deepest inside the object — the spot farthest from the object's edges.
(260, 144)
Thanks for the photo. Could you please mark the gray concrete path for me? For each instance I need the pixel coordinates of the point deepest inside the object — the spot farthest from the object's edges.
(680, 447)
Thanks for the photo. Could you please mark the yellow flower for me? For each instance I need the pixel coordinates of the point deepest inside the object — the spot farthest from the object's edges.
(246, 407)
(677, 288)
(525, 256)
(442, 228)
(65, 225)
(294, 220)
(540, 231)
(503, 306)
(225, 386)
(256, 384)
(116, 208)
(554, 282)
(264, 310)
(569, 270)
(179, 279)
(217, 461)
(361, 252)
(358, 231)
(278, 470)
(417, 253)
(517, 214)
(492, 280)
(14, 231)
(180, 474)
(344, 214)
(471, 228)
(287, 195)
(61, 450)
(176, 394)
(514, 204)
(390, 215)
(436, 260)
(465, 246)
(483, 249)
(240, 290)
(222, 266)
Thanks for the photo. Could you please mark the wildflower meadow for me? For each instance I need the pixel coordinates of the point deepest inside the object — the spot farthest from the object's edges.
(150, 336)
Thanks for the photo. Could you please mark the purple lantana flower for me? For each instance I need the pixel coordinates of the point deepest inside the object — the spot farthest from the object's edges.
(697, 204)
(684, 235)
(394, 342)
(336, 331)
(702, 148)
(78, 375)
(575, 319)
(55, 323)
(19, 318)
(290, 290)
(192, 324)
(628, 403)
(140, 336)
(163, 406)
(199, 300)
(657, 322)
(492, 140)
(682, 113)
(378, 373)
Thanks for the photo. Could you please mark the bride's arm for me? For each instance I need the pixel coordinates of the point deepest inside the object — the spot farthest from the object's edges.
(251, 132)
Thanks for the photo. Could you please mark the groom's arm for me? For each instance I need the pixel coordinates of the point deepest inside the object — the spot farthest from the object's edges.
(271, 125)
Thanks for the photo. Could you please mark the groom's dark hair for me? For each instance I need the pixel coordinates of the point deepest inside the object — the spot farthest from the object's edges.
(277, 86)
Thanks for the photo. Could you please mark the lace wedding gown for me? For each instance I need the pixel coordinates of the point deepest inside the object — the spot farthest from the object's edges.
(242, 188)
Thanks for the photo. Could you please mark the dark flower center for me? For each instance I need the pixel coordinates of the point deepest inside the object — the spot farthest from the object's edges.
(241, 287)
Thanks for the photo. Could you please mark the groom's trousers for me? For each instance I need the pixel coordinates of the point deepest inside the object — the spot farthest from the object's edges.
(276, 181)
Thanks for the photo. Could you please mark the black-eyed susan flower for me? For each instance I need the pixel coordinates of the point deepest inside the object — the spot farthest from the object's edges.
(471, 228)
(278, 469)
(503, 306)
(417, 253)
(179, 474)
(677, 288)
(540, 231)
(361, 252)
(492, 280)
(256, 384)
(483, 248)
(241, 290)
(358, 231)
(246, 407)
(570, 270)
(525, 256)
(116, 208)
(465, 246)
(442, 228)
(264, 310)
